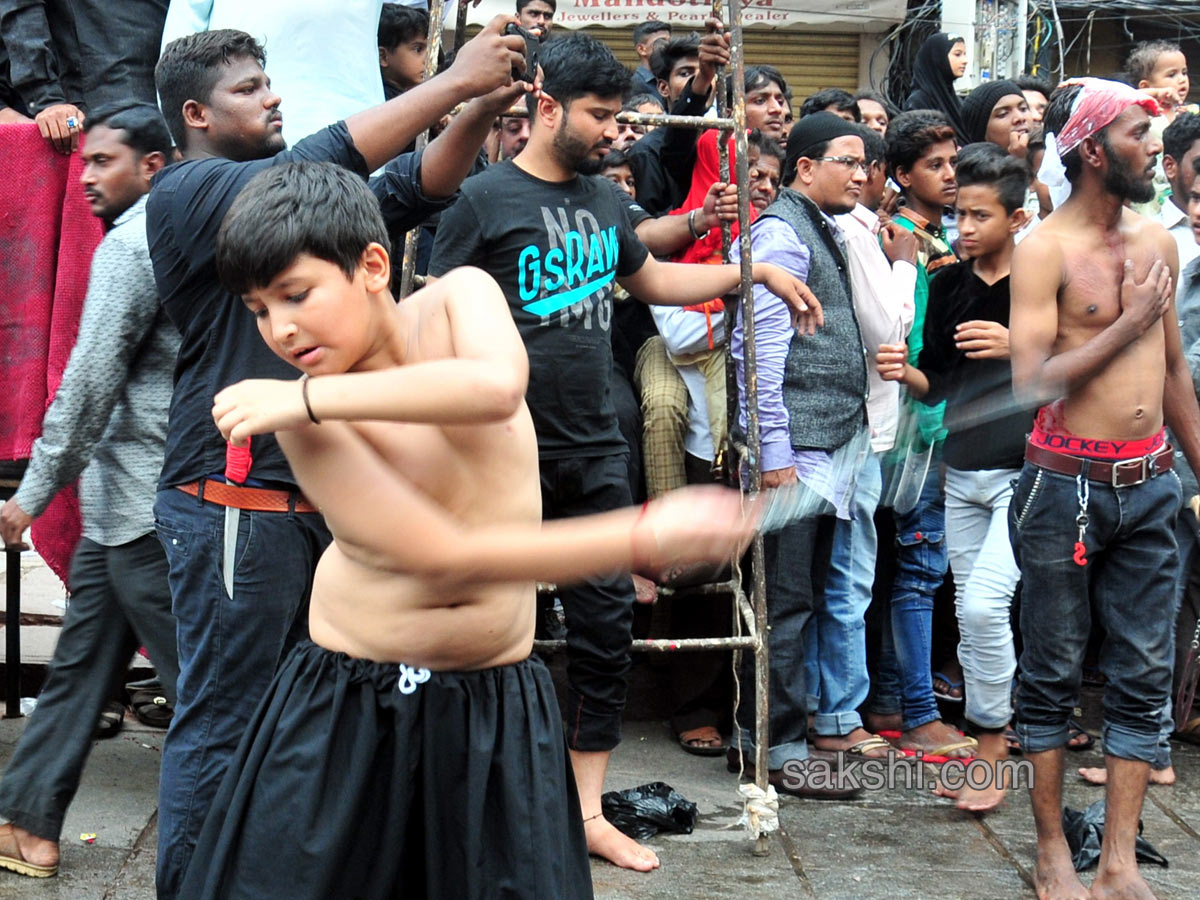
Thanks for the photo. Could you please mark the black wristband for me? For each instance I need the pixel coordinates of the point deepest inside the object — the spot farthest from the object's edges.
(304, 394)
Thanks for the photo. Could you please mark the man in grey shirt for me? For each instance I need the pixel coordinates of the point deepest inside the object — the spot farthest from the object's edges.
(108, 421)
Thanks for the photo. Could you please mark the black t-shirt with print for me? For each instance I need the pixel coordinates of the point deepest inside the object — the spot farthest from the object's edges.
(556, 249)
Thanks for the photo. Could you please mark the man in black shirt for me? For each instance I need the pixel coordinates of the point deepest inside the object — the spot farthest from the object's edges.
(241, 541)
(69, 59)
(556, 240)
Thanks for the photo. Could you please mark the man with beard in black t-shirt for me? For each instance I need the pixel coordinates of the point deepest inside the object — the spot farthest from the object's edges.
(556, 238)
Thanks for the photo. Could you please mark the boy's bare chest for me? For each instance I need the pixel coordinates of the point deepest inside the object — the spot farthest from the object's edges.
(420, 455)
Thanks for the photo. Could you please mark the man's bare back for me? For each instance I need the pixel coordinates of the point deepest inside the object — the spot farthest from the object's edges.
(479, 474)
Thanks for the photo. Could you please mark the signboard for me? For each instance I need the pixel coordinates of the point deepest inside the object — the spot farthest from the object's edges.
(844, 15)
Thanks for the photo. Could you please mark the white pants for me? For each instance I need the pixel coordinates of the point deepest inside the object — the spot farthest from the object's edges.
(985, 577)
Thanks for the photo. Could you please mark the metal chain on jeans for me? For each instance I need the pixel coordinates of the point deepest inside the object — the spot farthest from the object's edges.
(1082, 493)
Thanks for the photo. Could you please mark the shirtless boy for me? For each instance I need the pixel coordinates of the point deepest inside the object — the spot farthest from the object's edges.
(412, 748)
(1092, 519)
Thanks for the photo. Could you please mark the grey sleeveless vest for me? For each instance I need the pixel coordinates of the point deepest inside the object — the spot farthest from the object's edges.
(825, 376)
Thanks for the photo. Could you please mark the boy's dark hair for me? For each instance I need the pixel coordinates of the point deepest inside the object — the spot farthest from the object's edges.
(637, 100)
(766, 146)
(1179, 136)
(759, 76)
(284, 211)
(988, 164)
(911, 133)
(647, 28)
(553, 4)
(1033, 83)
(841, 101)
(874, 146)
(401, 24)
(667, 55)
(1057, 114)
(613, 159)
(190, 66)
(1144, 57)
(883, 101)
(141, 125)
(579, 64)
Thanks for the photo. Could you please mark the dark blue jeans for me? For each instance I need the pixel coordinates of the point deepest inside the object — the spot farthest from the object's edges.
(904, 682)
(1129, 579)
(230, 643)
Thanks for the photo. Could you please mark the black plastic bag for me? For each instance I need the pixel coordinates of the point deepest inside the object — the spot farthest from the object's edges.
(1085, 832)
(644, 811)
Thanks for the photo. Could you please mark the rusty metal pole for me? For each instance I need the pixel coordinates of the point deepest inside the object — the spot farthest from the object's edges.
(460, 24)
(759, 589)
(436, 9)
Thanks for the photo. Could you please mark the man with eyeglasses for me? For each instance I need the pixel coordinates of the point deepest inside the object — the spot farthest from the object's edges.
(812, 415)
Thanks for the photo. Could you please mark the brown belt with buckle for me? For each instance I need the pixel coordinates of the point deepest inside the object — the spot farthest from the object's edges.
(250, 498)
(1125, 473)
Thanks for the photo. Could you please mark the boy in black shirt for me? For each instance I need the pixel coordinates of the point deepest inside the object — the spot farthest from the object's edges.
(965, 362)
(241, 555)
(556, 239)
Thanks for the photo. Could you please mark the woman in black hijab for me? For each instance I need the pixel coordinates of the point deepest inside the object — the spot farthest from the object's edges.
(941, 59)
(997, 111)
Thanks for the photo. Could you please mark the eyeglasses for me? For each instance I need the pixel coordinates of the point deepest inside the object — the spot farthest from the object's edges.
(848, 161)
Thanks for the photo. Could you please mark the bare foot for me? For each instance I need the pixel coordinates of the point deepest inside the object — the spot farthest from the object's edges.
(1121, 884)
(865, 743)
(932, 736)
(25, 853)
(645, 591)
(605, 841)
(970, 793)
(878, 722)
(1099, 775)
(1054, 876)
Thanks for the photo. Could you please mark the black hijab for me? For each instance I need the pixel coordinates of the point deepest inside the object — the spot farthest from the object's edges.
(977, 107)
(933, 82)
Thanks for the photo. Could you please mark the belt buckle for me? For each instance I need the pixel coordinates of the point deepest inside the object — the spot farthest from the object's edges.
(1142, 461)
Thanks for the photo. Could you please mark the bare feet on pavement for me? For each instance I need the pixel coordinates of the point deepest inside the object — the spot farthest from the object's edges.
(1054, 875)
(1099, 775)
(992, 750)
(1122, 884)
(605, 841)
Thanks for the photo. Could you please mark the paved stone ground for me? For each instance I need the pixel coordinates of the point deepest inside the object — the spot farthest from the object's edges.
(897, 844)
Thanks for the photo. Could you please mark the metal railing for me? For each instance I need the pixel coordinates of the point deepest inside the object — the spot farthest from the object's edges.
(749, 612)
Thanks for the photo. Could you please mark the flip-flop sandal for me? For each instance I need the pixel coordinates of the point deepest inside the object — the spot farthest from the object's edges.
(12, 860)
(699, 734)
(1075, 729)
(953, 685)
(152, 708)
(938, 755)
(112, 717)
(865, 747)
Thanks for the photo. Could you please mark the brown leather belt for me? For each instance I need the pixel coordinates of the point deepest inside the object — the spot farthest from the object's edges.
(1126, 473)
(251, 498)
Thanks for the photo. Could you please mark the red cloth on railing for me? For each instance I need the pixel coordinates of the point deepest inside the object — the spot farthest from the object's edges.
(47, 237)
